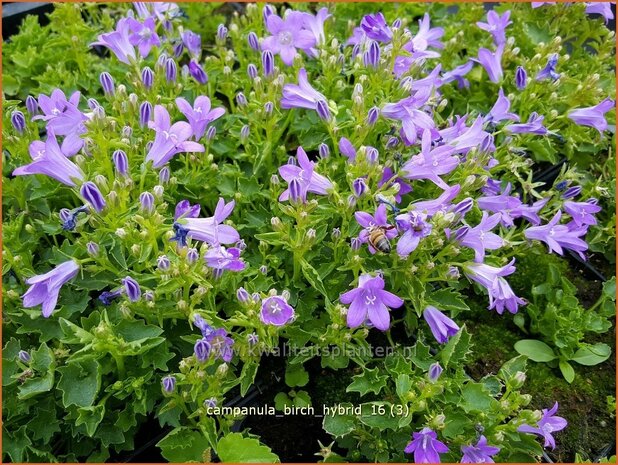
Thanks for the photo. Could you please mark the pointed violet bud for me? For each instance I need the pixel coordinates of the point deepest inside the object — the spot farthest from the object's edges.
(217, 273)
(252, 71)
(355, 243)
(323, 111)
(562, 185)
(244, 133)
(263, 269)
(160, 64)
(18, 121)
(169, 384)
(221, 32)
(147, 77)
(127, 132)
(192, 255)
(371, 58)
(256, 296)
(351, 201)
(163, 263)
(372, 116)
(145, 110)
(360, 187)
(241, 100)
(93, 104)
(572, 192)
(323, 150)
(453, 272)
(464, 206)
(24, 356)
(371, 153)
(268, 108)
(197, 72)
(396, 24)
(158, 191)
(292, 161)
(164, 175)
(107, 83)
(201, 349)
(149, 296)
(268, 63)
(178, 49)
(132, 289)
(242, 295)
(171, 70)
(521, 78)
(121, 163)
(296, 191)
(311, 234)
(32, 105)
(146, 199)
(241, 245)
(392, 142)
(253, 40)
(335, 234)
(92, 248)
(91, 194)
(435, 371)
(461, 233)
(267, 11)
(211, 132)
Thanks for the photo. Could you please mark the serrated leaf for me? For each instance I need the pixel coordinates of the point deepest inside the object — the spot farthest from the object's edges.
(183, 445)
(368, 381)
(80, 382)
(456, 348)
(339, 425)
(233, 447)
(296, 375)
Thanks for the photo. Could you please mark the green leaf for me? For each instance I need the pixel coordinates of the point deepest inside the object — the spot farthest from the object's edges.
(183, 445)
(456, 348)
(91, 417)
(447, 299)
(476, 398)
(403, 385)
(511, 367)
(592, 354)
(567, 371)
(247, 376)
(80, 382)
(314, 278)
(339, 425)
(233, 447)
(373, 415)
(368, 381)
(535, 350)
(296, 375)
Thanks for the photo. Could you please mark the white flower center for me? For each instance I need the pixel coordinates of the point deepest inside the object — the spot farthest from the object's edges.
(285, 38)
(370, 299)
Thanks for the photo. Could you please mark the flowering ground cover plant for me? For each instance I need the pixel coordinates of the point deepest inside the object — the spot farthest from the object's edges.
(363, 225)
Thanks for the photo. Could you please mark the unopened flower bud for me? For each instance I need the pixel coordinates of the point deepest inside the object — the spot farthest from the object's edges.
(92, 248)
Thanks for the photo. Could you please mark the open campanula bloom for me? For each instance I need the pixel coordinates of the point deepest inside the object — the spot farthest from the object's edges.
(200, 115)
(547, 425)
(220, 344)
(496, 25)
(49, 160)
(210, 230)
(143, 35)
(601, 8)
(479, 453)
(315, 24)
(431, 163)
(221, 258)
(431, 207)
(374, 26)
(184, 209)
(276, 311)
(308, 180)
(457, 74)
(492, 62)
(582, 212)
(287, 35)
(559, 236)
(550, 69)
(534, 125)
(500, 110)
(441, 326)
(413, 119)
(593, 116)
(302, 95)
(426, 447)
(119, 41)
(414, 227)
(170, 139)
(501, 295)
(480, 238)
(369, 301)
(369, 221)
(44, 288)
